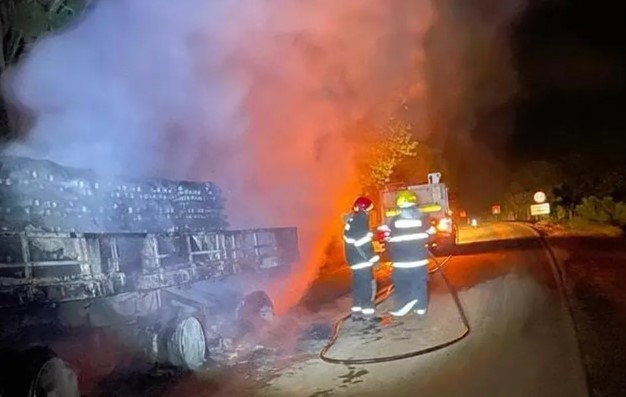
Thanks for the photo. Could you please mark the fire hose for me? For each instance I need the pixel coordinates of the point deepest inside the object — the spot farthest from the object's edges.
(383, 296)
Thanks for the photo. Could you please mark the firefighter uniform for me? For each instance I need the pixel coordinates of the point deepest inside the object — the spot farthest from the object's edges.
(408, 233)
(361, 257)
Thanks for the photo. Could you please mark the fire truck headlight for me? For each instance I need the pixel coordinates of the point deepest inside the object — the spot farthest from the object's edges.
(444, 225)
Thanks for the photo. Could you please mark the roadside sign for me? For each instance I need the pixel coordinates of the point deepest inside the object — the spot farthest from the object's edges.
(495, 209)
(540, 197)
(540, 209)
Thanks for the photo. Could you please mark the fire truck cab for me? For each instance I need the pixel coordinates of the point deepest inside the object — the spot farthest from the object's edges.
(432, 199)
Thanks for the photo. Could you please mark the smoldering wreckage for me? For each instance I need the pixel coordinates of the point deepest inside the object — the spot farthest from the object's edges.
(152, 260)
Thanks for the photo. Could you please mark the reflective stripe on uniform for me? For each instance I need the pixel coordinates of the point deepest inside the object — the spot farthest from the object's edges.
(407, 223)
(408, 237)
(368, 311)
(408, 265)
(360, 241)
(431, 230)
(364, 240)
(356, 309)
(361, 265)
(346, 227)
(404, 310)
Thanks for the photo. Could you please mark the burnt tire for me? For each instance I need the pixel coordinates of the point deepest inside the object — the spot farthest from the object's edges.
(186, 344)
(38, 372)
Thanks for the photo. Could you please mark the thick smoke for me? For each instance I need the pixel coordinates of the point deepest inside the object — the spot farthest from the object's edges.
(260, 96)
(472, 87)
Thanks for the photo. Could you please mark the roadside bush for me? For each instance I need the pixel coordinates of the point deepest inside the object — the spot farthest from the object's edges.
(596, 210)
(605, 210)
(620, 213)
(583, 227)
(560, 214)
(578, 227)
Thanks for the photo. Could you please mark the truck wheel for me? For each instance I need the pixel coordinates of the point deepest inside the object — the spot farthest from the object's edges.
(38, 372)
(179, 341)
(256, 310)
(54, 378)
(186, 343)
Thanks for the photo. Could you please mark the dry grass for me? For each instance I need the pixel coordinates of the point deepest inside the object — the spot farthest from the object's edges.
(579, 227)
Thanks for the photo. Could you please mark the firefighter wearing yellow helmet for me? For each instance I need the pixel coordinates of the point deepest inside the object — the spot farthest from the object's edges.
(408, 233)
(406, 198)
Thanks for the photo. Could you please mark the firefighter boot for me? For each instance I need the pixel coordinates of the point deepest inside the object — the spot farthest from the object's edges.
(420, 313)
(369, 315)
(356, 314)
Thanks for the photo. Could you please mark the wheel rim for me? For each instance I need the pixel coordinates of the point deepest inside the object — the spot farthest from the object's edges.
(189, 344)
(54, 378)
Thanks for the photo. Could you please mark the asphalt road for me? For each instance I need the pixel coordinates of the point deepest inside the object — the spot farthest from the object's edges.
(521, 343)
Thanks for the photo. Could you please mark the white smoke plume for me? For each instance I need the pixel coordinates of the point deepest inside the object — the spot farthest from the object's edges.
(258, 96)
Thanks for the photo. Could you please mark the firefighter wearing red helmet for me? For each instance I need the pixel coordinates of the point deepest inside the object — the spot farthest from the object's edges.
(361, 257)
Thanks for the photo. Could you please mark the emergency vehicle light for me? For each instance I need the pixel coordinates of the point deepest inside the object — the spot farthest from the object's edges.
(430, 208)
(444, 225)
(391, 213)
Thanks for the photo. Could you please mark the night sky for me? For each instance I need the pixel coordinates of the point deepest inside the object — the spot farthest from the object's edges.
(536, 84)
(571, 62)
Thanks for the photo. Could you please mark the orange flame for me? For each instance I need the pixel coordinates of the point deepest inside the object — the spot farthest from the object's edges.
(314, 72)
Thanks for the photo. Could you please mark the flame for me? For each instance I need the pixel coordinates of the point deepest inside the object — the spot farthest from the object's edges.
(306, 111)
(318, 235)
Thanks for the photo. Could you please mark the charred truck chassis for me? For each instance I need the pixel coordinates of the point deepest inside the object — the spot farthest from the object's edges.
(178, 296)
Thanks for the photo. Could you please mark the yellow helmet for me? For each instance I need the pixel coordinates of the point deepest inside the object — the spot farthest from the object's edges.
(406, 198)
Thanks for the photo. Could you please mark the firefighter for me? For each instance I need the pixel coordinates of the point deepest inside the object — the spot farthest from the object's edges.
(407, 237)
(361, 257)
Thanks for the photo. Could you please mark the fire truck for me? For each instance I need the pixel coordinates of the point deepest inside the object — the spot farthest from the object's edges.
(432, 199)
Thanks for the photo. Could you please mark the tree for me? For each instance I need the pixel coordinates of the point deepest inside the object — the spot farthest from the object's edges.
(384, 149)
(517, 201)
(22, 22)
(585, 176)
(525, 181)
(414, 169)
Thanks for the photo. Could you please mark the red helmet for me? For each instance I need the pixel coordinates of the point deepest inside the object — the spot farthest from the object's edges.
(363, 204)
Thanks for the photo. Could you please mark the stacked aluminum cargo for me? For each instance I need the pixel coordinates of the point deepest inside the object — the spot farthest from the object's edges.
(40, 195)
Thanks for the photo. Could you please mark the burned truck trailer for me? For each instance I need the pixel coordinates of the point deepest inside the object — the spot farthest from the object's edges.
(152, 261)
